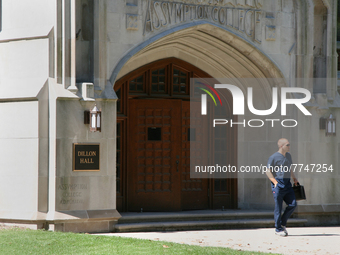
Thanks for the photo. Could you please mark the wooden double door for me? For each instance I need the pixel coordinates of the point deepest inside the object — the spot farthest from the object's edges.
(159, 157)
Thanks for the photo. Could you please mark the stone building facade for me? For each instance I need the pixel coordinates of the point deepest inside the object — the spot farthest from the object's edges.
(134, 60)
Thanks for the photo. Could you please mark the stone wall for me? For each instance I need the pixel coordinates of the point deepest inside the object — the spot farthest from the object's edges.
(288, 41)
(25, 50)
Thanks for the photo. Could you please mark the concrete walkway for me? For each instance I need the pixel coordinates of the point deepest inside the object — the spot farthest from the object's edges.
(306, 240)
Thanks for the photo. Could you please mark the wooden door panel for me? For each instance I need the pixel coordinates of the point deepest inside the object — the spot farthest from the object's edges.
(194, 191)
(154, 129)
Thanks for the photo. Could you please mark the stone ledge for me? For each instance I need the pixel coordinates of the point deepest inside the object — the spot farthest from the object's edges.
(321, 219)
(87, 226)
(84, 215)
(22, 217)
(317, 209)
(211, 224)
(193, 215)
(69, 221)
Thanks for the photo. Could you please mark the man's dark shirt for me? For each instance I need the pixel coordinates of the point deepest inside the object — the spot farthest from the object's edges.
(280, 167)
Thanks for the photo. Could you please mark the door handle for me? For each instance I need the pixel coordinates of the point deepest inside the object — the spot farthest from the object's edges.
(177, 162)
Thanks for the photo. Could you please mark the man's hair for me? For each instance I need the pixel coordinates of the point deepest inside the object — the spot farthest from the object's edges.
(281, 142)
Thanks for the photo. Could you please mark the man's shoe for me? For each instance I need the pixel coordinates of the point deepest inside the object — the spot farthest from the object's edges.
(285, 230)
(280, 233)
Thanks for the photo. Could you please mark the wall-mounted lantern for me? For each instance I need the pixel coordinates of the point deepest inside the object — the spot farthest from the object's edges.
(93, 117)
(330, 126)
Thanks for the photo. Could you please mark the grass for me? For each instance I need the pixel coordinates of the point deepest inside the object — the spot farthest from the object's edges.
(19, 241)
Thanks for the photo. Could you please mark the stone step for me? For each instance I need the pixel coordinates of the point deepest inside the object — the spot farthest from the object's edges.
(198, 215)
(202, 225)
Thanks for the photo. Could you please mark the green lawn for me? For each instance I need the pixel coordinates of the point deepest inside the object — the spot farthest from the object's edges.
(18, 241)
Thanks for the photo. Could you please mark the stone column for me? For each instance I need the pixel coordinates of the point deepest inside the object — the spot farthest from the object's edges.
(72, 87)
(99, 45)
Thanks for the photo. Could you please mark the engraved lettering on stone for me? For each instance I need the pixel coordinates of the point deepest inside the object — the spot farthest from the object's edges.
(244, 18)
(171, 11)
(200, 13)
(222, 16)
(249, 24)
(164, 8)
(236, 19)
(157, 21)
(72, 193)
(71, 201)
(179, 12)
(193, 12)
(230, 18)
(148, 19)
(186, 15)
(72, 186)
(241, 20)
(214, 13)
(206, 10)
(258, 34)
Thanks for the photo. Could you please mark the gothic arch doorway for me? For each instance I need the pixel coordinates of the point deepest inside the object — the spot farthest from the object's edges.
(153, 147)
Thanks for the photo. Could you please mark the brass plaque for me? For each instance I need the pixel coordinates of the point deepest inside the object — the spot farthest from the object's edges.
(86, 157)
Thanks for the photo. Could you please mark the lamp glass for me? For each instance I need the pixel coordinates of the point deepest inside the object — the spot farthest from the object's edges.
(329, 127)
(98, 120)
(93, 120)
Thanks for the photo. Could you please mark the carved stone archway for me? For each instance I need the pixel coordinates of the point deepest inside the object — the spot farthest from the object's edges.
(216, 51)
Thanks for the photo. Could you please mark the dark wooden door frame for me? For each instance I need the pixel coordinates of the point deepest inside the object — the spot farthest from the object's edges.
(122, 86)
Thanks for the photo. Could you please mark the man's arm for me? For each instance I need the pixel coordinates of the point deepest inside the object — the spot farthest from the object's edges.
(271, 176)
(292, 175)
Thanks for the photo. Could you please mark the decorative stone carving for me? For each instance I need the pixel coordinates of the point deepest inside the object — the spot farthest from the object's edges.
(270, 33)
(245, 3)
(131, 21)
(245, 20)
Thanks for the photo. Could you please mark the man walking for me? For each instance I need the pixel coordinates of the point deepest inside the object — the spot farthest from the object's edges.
(279, 164)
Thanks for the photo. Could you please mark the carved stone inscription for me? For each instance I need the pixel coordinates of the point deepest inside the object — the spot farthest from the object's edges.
(245, 18)
(72, 193)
